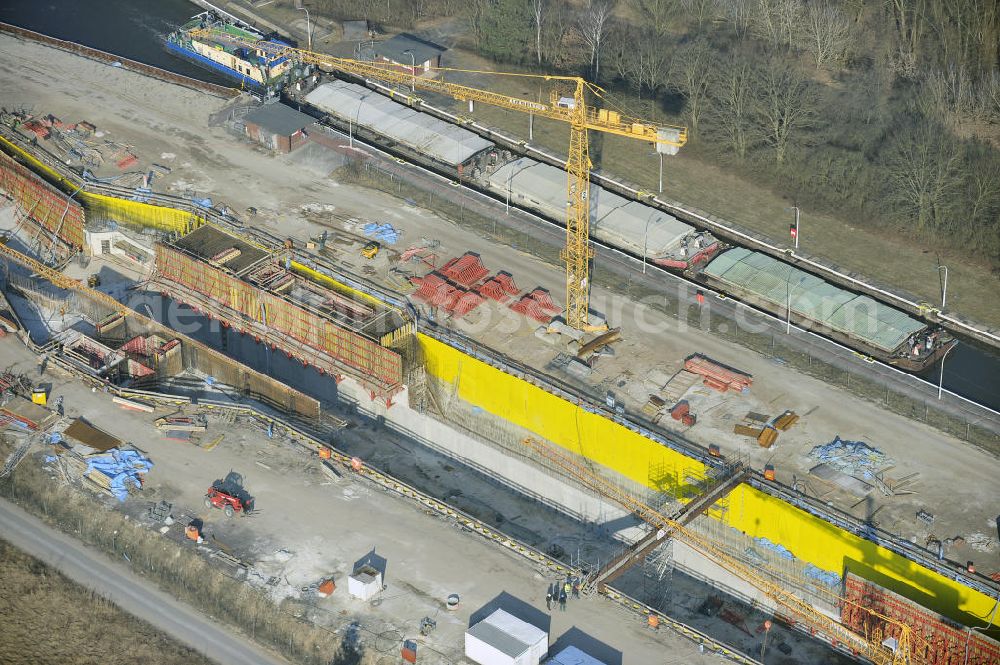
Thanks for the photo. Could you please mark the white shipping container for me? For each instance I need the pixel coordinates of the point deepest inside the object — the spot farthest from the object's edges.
(503, 639)
(364, 584)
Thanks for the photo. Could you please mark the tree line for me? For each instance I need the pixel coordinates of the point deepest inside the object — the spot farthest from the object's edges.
(886, 111)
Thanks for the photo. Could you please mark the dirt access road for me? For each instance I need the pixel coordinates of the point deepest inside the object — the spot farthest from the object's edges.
(132, 593)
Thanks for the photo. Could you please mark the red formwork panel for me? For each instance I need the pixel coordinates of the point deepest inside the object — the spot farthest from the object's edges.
(718, 376)
(531, 309)
(465, 270)
(42, 202)
(368, 357)
(443, 295)
(936, 640)
(465, 303)
(493, 290)
(544, 300)
(427, 286)
(506, 282)
(136, 345)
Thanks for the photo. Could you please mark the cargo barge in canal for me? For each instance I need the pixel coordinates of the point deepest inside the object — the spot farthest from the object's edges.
(253, 68)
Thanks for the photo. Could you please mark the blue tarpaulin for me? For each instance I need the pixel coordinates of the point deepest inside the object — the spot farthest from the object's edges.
(825, 577)
(382, 232)
(850, 457)
(783, 551)
(122, 467)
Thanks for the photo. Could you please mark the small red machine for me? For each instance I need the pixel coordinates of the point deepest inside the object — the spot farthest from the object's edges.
(229, 495)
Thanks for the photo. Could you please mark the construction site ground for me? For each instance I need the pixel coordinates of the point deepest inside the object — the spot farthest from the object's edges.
(306, 528)
(294, 196)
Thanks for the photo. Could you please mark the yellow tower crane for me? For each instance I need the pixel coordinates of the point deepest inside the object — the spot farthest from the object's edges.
(571, 109)
(871, 645)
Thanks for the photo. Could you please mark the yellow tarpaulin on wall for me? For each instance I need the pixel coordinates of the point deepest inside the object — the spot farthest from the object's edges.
(759, 515)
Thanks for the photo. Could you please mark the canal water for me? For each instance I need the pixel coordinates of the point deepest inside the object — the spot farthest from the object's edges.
(135, 29)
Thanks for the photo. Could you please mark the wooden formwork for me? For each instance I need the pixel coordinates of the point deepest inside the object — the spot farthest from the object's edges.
(375, 366)
(43, 203)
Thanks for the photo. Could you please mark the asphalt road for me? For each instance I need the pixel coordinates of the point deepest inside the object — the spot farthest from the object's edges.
(130, 592)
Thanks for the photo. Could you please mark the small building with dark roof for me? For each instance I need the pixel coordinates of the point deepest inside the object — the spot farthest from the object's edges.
(278, 127)
(398, 51)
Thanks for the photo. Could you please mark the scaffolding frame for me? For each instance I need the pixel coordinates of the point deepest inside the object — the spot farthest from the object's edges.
(49, 208)
(248, 308)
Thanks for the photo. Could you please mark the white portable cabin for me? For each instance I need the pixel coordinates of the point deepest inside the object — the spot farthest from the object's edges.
(573, 656)
(365, 583)
(503, 639)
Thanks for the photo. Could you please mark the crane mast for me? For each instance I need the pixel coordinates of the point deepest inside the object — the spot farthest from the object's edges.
(577, 252)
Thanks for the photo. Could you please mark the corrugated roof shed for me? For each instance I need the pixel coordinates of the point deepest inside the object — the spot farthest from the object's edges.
(779, 283)
(503, 642)
(278, 118)
(440, 140)
(614, 219)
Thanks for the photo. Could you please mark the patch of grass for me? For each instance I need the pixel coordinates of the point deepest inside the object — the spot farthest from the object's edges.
(47, 618)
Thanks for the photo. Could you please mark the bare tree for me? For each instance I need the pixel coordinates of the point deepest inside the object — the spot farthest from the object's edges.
(922, 169)
(692, 75)
(558, 23)
(733, 104)
(703, 11)
(638, 57)
(776, 21)
(786, 102)
(827, 33)
(593, 26)
(657, 14)
(739, 13)
(538, 10)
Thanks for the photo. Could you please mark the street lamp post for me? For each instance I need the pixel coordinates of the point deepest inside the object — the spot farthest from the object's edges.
(645, 242)
(413, 70)
(796, 238)
(510, 176)
(944, 285)
(309, 38)
(941, 373)
(788, 308)
(350, 125)
(661, 171)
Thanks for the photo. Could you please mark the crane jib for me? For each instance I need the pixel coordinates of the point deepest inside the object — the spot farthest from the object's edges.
(535, 106)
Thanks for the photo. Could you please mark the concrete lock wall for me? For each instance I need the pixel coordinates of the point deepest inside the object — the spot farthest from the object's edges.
(110, 208)
(500, 465)
(561, 422)
(758, 515)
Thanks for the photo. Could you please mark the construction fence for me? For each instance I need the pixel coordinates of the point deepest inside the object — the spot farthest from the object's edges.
(53, 210)
(365, 359)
